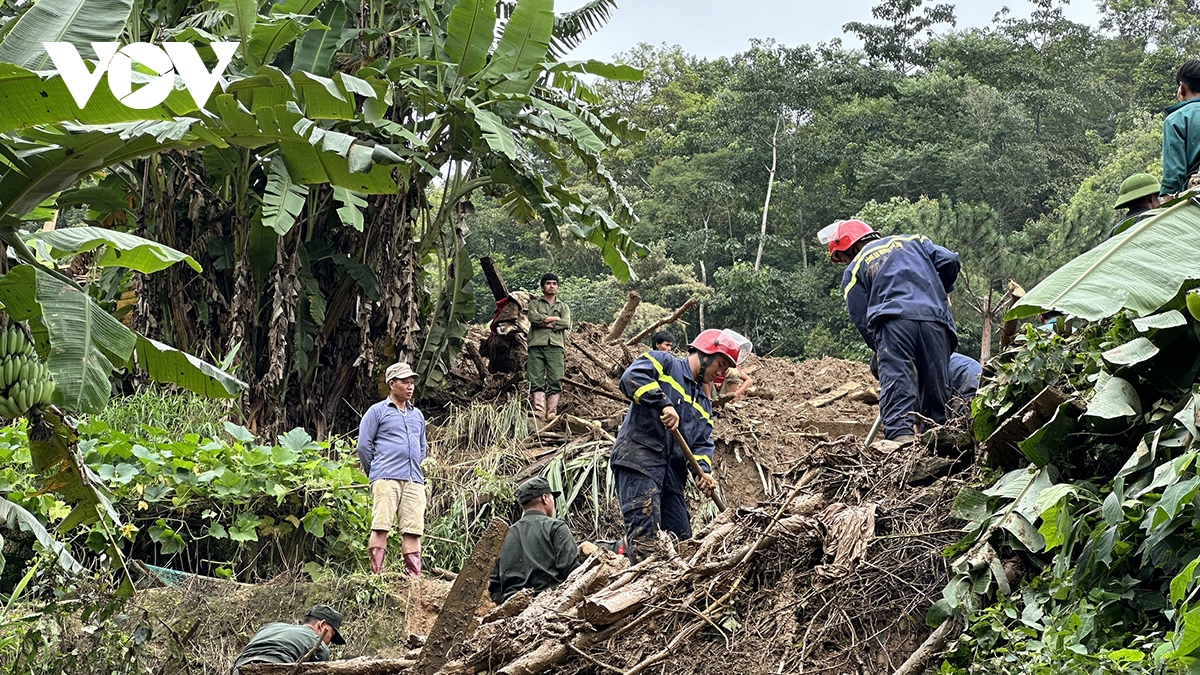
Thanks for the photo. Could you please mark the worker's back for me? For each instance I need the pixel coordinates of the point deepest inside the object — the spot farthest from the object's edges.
(903, 277)
(538, 552)
(282, 643)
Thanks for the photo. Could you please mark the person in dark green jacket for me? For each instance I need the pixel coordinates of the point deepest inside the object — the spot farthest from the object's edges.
(289, 642)
(549, 320)
(1181, 132)
(539, 550)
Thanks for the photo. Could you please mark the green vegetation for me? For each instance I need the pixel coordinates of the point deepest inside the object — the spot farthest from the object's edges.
(1085, 560)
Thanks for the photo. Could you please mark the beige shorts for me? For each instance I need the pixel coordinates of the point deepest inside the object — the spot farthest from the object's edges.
(402, 500)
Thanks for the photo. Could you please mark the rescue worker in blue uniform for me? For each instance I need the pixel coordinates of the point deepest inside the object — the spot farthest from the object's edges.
(897, 293)
(649, 467)
(964, 382)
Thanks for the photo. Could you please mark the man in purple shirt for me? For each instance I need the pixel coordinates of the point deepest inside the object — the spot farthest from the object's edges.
(391, 445)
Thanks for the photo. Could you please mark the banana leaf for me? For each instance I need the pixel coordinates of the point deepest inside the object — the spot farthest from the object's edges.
(15, 517)
(523, 45)
(80, 22)
(469, 34)
(1140, 270)
(121, 249)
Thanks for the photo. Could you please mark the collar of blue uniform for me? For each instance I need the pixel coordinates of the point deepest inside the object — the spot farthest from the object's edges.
(663, 377)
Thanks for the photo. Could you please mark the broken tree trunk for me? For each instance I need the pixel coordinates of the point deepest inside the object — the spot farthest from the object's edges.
(691, 302)
(480, 366)
(623, 319)
(494, 280)
(458, 611)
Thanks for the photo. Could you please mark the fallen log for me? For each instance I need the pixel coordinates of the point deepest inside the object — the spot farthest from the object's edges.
(836, 394)
(691, 302)
(623, 319)
(494, 281)
(359, 666)
(480, 366)
(458, 610)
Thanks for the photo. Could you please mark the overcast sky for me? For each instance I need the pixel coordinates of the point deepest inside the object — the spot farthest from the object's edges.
(712, 28)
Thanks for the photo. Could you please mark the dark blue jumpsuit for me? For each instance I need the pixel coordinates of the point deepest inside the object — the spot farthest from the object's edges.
(897, 292)
(964, 382)
(648, 465)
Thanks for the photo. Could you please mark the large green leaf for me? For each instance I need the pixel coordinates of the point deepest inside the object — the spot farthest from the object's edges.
(243, 17)
(121, 249)
(164, 363)
(85, 340)
(16, 518)
(1140, 270)
(495, 133)
(350, 211)
(80, 22)
(27, 99)
(523, 45)
(283, 200)
(469, 34)
(1115, 398)
(316, 50)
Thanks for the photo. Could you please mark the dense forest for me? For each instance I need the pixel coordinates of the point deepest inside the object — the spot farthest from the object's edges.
(1006, 143)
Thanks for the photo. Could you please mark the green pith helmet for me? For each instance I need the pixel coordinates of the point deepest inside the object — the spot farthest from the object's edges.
(1135, 187)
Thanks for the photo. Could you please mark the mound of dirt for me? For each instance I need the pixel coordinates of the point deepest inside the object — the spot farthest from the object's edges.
(209, 622)
(826, 561)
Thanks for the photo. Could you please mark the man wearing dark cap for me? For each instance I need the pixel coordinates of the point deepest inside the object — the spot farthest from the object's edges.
(539, 551)
(549, 321)
(292, 643)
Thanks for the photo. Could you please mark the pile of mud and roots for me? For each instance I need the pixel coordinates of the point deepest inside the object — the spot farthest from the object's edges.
(827, 560)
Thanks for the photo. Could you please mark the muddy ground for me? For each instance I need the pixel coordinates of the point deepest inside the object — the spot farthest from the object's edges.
(787, 613)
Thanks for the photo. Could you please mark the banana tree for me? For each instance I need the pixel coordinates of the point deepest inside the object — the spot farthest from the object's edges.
(322, 283)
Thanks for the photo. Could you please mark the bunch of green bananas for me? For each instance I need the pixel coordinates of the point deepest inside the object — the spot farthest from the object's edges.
(24, 379)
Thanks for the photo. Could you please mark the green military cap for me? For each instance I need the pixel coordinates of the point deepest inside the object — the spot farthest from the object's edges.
(332, 617)
(534, 488)
(1137, 186)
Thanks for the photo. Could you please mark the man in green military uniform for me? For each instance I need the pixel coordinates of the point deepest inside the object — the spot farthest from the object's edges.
(1139, 194)
(549, 320)
(539, 551)
(289, 642)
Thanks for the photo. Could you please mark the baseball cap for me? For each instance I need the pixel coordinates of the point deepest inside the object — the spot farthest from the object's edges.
(399, 371)
(534, 488)
(332, 617)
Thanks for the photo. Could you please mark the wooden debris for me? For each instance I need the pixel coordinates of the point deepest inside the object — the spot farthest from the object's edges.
(623, 319)
(458, 610)
(1000, 450)
(842, 391)
(691, 302)
(921, 659)
(595, 390)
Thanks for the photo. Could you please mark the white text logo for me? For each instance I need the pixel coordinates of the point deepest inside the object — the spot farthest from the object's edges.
(179, 57)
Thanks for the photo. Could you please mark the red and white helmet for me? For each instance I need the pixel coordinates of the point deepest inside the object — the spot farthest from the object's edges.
(840, 236)
(727, 342)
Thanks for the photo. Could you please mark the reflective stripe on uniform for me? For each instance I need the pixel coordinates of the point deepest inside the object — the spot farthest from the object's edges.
(637, 395)
(704, 459)
(663, 377)
(872, 251)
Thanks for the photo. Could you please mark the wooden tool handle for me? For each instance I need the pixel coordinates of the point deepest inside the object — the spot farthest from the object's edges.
(696, 470)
